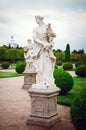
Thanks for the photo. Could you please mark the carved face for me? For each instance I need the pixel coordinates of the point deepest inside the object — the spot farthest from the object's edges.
(39, 19)
(51, 39)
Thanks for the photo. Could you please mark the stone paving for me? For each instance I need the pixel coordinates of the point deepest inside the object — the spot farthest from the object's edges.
(15, 108)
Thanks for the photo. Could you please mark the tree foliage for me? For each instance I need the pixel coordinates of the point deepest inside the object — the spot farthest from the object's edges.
(67, 53)
(80, 51)
(11, 54)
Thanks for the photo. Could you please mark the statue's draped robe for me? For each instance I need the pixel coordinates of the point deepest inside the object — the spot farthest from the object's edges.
(43, 55)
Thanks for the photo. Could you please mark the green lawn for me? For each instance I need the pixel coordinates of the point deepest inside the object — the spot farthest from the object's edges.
(9, 74)
(79, 84)
(12, 66)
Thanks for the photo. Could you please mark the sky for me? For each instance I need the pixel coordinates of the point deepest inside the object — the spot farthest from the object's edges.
(67, 18)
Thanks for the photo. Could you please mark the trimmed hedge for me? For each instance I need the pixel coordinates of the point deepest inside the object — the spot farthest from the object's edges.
(5, 65)
(81, 70)
(59, 63)
(78, 63)
(67, 66)
(63, 80)
(20, 67)
(78, 111)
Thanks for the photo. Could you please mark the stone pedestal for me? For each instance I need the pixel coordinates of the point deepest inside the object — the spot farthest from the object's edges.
(29, 79)
(43, 106)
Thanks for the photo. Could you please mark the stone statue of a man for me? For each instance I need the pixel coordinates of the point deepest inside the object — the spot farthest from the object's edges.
(44, 59)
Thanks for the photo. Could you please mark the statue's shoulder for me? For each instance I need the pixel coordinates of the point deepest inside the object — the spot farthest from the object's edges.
(36, 30)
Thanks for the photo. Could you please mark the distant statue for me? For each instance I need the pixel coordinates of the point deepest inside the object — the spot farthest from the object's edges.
(28, 55)
(43, 58)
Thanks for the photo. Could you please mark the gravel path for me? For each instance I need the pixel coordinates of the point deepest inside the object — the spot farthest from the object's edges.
(15, 108)
(7, 70)
(13, 70)
(72, 73)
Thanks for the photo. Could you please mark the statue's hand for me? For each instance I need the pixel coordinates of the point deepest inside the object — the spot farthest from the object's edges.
(53, 59)
(49, 45)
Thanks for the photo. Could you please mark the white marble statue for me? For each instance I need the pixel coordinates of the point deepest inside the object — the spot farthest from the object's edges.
(43, 57)
(28, 51)
(43, 92)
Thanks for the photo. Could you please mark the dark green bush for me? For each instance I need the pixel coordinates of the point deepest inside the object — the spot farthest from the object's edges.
(5, 65)
(20, 67)
(78, 111)
(56, 66)
(81, 70)
(59, 63)
(78, 63)
(63, 80)
(67, 66)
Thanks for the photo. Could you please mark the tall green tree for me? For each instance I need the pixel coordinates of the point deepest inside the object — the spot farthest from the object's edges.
(67, 53)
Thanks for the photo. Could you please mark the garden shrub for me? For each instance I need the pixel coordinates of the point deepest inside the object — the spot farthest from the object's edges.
(78, 63)
(5, 65)
(81, 70)
(78, 111)
(63, 80)
(59, 63)
(20, 67)
(56, 66)
(67, 66)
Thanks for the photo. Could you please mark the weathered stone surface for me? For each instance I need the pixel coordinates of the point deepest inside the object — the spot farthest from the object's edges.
(29, 79)
(43, 106)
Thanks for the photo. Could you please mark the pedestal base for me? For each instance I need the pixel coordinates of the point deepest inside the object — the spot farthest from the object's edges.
(43, 121)
(43, 106)
(29, 79)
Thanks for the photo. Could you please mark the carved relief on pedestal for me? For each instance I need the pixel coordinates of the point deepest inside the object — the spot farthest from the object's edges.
(38, 106)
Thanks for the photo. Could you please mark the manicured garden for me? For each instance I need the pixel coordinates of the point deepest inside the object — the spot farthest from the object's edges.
(73, 94)
(79, 84)
(72, 88)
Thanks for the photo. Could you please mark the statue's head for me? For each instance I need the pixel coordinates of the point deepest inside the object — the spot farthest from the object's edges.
(39, 19)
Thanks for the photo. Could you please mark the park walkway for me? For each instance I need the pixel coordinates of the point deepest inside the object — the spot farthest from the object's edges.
(13, 70)
(15, 108)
